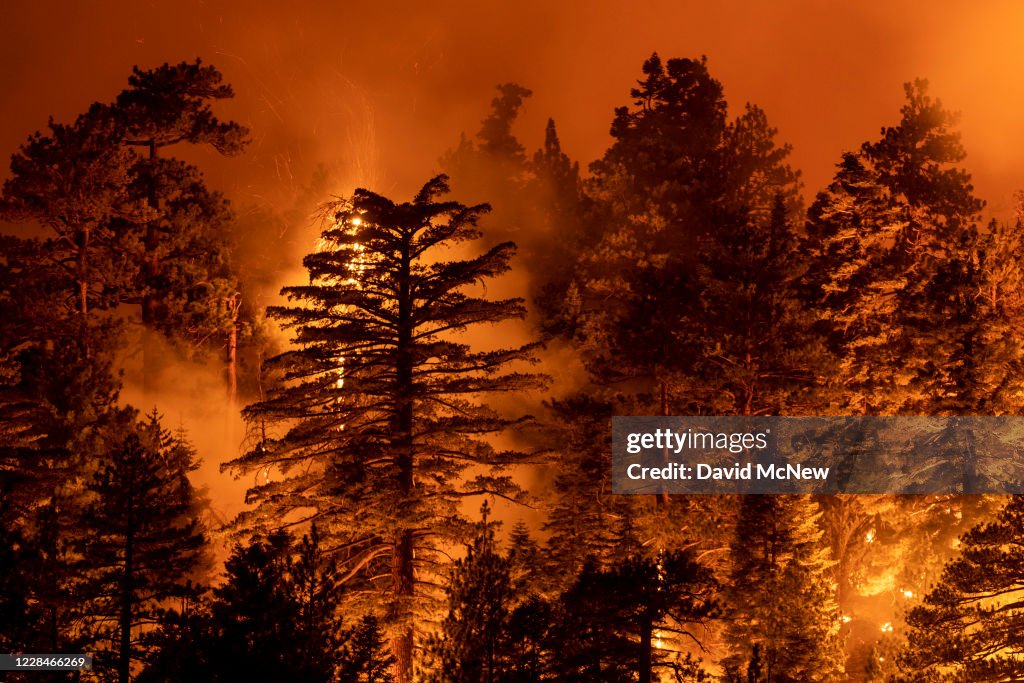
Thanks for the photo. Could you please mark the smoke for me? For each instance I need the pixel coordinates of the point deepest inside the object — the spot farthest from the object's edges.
(368, 94)
(189, 393)
(828, 75)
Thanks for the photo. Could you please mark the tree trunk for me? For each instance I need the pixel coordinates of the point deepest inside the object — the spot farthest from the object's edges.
(83, 274)
(403, 574)
(661, 497)
(232, 362)
(125, 620)
(149, 272)
(125, 617)
(646, 647)
(54, 629)
(403, 577)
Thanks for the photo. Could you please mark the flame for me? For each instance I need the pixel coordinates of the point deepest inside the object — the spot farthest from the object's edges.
(356, 266)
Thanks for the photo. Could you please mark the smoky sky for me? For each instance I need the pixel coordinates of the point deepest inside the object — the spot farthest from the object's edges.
(376, 91)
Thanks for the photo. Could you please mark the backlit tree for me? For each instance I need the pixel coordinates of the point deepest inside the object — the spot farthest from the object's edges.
(143, 542)
(971, 623)
(778, 554)
(376, 429)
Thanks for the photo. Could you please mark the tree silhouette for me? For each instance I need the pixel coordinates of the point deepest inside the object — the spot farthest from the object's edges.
(376, 415)
(143, 542)
(161, 108)
(777, 553)
(136, 228)
(899, 282)
(970, 624)
(366, 658)
(472, 642)
(76, 181)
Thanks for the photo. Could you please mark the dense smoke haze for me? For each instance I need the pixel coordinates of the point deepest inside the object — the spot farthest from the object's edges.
(378, 92)
(372, 95)
(313, 461)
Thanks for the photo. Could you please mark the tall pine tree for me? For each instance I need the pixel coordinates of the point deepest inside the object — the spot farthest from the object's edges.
(895, 243)
(971, 625)
(377, 419)
(472, 643)
(781, 617)
(76, 182)
(163, 108)
(143, 543)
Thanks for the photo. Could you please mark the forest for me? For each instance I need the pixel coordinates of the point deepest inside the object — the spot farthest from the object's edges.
(427, 403)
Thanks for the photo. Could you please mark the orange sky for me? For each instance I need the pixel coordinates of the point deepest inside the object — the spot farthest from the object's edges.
(379, 90)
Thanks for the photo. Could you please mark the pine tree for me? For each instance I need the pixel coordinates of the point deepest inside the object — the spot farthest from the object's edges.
(537, 201)
(557, 176)
(558, 228)
(255, 614)
(662, 597)
(970, 625)
(472, 642)
(171, 104)
(496, 138)
(529, 636)
(584, 515)
(58, 386)
(315, 581)
(189, 292)
(55, 589)
(366, 658)
(895, 238)
(667, 143)
(131, 227)
(495, 165)
(143, 542)
(653, 193)
(1001, 261)
(17, 615)
(610, 621)
(376, 410)
(679, 173)
(777, 554)
(59, 408)
(589, 642)
(75, 181)
(162, 108)
(496, 628)
(756, 353)
(524, 557)
(276, 615)
(186, 647)
(753, 351)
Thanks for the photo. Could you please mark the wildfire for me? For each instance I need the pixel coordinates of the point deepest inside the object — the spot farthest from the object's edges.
(356, 265)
